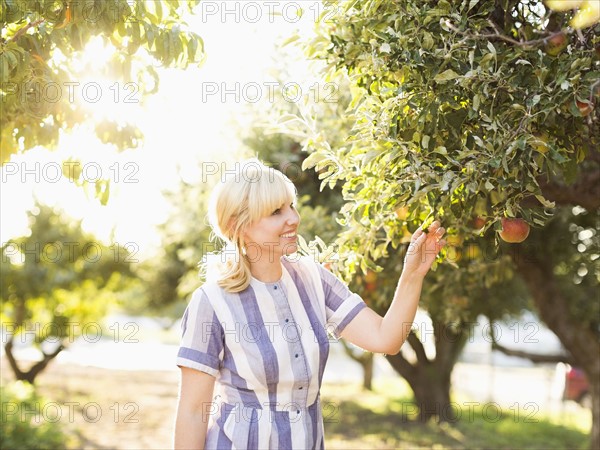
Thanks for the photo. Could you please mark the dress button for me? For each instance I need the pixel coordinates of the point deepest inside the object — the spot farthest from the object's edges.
(300, 387)
(275, 287)
(298, 411)
(287, 320)
(296, 355)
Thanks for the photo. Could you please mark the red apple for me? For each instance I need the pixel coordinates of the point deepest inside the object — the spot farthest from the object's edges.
(371, 277)
(556, 44)
(514, 230)
(584, 107)
(370, 281)
(478, 223)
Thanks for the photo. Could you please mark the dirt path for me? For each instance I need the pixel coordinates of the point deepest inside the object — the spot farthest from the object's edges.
(109, 409)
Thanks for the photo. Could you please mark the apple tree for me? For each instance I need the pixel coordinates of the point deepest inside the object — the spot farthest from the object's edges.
(432, 350)
(57, 283)
(472, 112)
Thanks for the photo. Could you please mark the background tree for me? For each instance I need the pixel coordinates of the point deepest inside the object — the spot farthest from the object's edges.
(471, 111)
(57, 283)
(170, 276)
(40, 82)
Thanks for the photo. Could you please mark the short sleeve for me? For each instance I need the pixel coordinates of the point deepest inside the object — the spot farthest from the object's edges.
(201, 346)
(341, 305)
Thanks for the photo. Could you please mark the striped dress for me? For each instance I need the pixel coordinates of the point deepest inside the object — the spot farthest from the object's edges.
(267, 346)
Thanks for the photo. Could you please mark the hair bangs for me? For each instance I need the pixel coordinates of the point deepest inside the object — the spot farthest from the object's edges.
(270, 192)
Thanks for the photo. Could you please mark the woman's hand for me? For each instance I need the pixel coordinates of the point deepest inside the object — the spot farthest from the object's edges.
(423, 249)
(374, 333)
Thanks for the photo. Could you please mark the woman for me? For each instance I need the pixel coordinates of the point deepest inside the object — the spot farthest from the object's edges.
(255, 335)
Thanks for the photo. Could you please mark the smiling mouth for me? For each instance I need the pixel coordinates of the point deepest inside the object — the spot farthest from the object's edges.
(288, 235)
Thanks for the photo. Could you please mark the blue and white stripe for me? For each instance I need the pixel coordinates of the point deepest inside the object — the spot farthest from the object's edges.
(267, 346)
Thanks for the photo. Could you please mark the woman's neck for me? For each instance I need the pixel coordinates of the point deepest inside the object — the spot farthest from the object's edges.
(266, 271)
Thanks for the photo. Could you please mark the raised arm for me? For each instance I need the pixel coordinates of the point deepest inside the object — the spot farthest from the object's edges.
(193, 409)
(374, 333)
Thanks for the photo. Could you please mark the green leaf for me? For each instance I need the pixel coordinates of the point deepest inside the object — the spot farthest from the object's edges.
(312, 160)
(427, 41)
(445, 76)
(425, 141)
(545, 202)
(476, 102)
(472, 3)
(3, 68)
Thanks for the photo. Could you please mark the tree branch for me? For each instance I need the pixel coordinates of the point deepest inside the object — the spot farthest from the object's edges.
(585, 191)
(417, 346)
(533, 357)
(581, 343)
(23, 30)
(448, 344)
(11, 359)
(41, 365)
(361, 358)
(502, 37)
(403, 367)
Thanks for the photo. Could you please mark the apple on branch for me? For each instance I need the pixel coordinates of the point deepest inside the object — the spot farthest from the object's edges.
(514, 230)
(585, 108)
(556, 44)
(478, 223)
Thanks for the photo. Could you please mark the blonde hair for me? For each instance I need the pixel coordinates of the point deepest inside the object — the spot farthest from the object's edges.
(243, 196)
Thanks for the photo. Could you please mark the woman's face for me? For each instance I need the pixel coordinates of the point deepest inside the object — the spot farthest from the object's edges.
(274, 235)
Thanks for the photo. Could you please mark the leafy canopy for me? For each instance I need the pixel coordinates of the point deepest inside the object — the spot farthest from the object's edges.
(41, 39)
(460, 110)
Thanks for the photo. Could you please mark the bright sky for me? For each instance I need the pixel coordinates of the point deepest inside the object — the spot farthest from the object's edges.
(189, 119)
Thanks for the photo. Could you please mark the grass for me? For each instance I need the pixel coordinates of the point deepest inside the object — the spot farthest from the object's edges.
(386, 418)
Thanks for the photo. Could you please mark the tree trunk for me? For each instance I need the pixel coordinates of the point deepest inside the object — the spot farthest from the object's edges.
(368, 373)
(430, 379)
(430, 387)
(365, 359)
(30, 375)
(432, 395)
(581, 342)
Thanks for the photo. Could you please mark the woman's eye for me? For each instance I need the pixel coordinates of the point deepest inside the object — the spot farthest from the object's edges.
(277, 211)
(292, 206)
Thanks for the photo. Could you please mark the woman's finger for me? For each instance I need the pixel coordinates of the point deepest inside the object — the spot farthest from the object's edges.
(419, 232)
(440, 232)
(434, 226)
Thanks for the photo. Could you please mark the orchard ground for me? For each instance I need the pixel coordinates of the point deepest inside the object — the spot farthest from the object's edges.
(123, 395)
